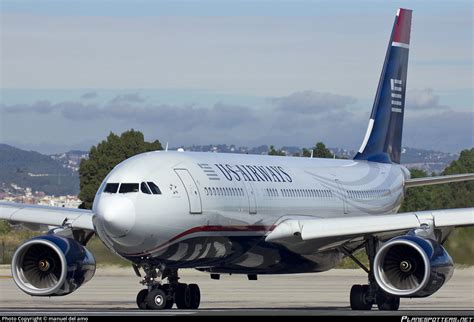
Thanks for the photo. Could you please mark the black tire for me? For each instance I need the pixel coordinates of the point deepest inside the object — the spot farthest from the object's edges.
(195, 296)
(156, 299)
(358, 298)
(141, 299)
(386, 302)
(170, 299)
(182, 297)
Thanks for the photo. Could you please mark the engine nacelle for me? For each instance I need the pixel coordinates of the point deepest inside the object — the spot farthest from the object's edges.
(52, 265)
(411, 266)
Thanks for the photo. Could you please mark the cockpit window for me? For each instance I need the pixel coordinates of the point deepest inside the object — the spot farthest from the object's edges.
(154, 188)
(128, 187)
(144, 188)
(111, 187)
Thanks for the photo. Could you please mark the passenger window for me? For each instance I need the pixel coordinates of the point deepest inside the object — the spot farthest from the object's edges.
(111, 187)
(128, 187)
(144, 188)
(154, 188)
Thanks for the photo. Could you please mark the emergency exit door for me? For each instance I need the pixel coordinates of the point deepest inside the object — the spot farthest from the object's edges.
(194, 199)
(343, 193)
(251, 196)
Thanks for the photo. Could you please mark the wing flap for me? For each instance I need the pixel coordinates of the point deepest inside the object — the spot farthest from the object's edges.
(44, 215)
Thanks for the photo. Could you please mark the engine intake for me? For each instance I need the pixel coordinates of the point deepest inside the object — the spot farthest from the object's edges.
(52, 265)
(411, 266)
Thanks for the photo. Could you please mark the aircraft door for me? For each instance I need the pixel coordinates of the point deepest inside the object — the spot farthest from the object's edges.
(251, 196)
(194, 199)
(343, 194)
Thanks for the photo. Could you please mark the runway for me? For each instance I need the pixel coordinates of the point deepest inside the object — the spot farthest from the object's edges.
(113, 291)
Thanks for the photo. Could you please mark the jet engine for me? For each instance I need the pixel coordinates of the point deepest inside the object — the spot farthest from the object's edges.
(52, 265)
(412, 266)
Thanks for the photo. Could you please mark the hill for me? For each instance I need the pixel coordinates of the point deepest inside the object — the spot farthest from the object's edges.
(37, 171)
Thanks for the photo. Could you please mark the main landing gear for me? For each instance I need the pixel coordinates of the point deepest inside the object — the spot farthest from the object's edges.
(363, 297)
(162, 296)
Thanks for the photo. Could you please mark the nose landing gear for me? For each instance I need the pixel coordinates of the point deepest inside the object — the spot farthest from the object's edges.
(162, 296)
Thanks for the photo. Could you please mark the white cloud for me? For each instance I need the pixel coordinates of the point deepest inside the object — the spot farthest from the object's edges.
(299, 119)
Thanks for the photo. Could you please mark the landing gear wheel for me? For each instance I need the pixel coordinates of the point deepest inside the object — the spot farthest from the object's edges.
(141, 299)
(170, 299)
(387, 302)
(358, 298)
(195, 296)
(182, 297)
(157, 299)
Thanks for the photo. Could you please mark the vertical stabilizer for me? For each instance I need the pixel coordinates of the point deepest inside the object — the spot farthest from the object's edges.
(383, 139)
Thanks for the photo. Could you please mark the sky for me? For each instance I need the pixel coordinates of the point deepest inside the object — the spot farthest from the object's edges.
(235, 72)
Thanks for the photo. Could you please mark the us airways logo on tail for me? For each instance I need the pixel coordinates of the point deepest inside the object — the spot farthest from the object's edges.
(247, 172)
(397, 92)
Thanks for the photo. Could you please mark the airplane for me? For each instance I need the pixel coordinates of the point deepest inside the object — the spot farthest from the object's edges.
(252, 214)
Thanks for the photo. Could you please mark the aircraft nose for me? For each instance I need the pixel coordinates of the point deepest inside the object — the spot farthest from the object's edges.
(117, 214)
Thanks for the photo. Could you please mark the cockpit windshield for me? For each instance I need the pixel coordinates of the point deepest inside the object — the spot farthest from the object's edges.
(148, 188)
(128, 187)
(111, 187)
(154, 188)
(144, 188)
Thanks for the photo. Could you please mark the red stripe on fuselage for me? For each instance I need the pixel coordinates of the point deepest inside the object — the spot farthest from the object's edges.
(212, 228)
(221, 228)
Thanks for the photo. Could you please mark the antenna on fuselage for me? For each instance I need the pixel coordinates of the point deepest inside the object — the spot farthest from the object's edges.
(166, 149)
(312, 152)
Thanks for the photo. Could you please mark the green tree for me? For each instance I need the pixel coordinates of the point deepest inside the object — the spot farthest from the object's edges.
(320, 151)
(105, 156)
(273, 151)
(306, 153)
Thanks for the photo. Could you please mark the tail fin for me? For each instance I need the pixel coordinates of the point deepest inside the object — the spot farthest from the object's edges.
(383, 139)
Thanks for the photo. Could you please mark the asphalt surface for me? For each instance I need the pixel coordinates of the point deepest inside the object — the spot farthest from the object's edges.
(113, 291)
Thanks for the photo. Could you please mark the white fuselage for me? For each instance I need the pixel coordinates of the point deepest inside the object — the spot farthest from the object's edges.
(215, 207)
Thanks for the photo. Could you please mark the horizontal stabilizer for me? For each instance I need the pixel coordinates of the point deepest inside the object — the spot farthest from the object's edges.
(426, 181)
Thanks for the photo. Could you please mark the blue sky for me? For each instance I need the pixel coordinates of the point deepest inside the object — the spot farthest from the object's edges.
(282, 8)
(200, 72)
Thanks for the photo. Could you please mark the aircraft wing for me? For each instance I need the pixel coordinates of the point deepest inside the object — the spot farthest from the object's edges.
(35, 216)
(338, 231)
(426, 181)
